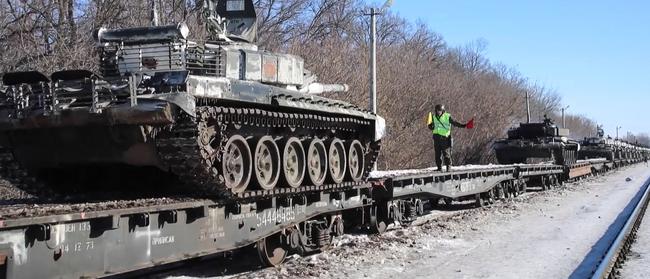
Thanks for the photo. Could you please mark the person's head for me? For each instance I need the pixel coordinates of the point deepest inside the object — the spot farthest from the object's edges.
(440, 109)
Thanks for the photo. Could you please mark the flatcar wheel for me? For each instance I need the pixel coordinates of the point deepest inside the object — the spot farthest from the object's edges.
(434, 203)
(506, 190)
(515, 190)
(271, 251)
(377, 220)
(479, 201)
(236, 164)
(316, 162)
(492, 196)
(293, 162)
(267, 163)
(356, 163)
(419, 207)
(338, 227)
(336, 161)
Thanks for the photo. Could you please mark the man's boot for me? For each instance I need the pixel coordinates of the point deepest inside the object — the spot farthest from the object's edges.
(440, 168)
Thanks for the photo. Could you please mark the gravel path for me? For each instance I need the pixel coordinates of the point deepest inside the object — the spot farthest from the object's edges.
(537, 235)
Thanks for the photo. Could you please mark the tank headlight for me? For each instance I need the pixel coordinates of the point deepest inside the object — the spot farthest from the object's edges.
(380, 127)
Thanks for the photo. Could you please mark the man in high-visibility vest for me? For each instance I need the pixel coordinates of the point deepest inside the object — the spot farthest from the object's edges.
(440, 123)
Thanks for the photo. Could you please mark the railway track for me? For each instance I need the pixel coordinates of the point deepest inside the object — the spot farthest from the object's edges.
(612, 261)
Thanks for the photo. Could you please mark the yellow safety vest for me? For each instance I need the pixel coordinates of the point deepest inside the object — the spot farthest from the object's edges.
(441, 125)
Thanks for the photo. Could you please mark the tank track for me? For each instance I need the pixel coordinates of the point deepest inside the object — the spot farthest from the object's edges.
(185, 148)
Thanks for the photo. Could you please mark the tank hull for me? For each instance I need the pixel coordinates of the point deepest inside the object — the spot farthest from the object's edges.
(117, 134)
(519, 152)
(592, 153)
(189, 138)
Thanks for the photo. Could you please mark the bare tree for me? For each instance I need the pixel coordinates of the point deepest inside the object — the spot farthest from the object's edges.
(417, 70)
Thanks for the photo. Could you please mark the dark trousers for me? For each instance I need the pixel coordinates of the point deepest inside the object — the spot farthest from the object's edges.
(442, 147)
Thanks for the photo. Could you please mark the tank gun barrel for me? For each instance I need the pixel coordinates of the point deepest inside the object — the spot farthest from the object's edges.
(319, 88)
(143, 34)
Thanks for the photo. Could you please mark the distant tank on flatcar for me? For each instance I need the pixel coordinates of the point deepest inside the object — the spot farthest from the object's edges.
(534, 142)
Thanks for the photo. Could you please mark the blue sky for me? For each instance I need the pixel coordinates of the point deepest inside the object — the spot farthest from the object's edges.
(596, 54)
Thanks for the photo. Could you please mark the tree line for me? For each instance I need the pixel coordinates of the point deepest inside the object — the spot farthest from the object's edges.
(417, 68)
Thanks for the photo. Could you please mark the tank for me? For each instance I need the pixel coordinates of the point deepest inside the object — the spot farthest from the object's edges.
(537, 142)
(598, 147)
(624, 150)
(223, 117)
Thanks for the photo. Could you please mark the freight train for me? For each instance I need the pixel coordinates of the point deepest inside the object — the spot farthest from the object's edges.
(283, 169)
(97, 239)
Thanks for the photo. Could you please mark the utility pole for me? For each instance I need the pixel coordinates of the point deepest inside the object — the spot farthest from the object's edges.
(154, 12)
(373, 53)
(563, 119)
(527, 108)
(373, 60)
(373, 57)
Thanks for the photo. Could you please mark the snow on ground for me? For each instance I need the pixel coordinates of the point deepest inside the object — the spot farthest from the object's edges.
(637, 265)
(537, 235)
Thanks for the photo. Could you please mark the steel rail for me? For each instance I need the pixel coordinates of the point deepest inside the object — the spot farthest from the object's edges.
(616, 255)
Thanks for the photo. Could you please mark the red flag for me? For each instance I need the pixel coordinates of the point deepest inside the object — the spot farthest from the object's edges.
(470, 124)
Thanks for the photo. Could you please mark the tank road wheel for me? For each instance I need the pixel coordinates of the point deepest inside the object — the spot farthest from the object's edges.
(356, 163)
(293, 162)
(236, 164)
(267, 163)
(337, 161)
(271, 250)
(317, 162)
